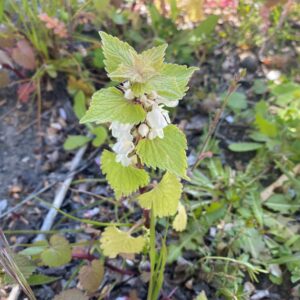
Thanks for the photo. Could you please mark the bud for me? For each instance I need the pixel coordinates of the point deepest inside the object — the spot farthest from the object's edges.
(129, 94)
(143, 130)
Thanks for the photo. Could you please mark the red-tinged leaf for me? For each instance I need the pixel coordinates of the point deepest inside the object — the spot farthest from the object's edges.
(24, 55)
(25, 90)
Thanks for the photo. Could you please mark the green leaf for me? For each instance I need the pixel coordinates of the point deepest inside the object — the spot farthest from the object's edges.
(286, 92)
(75, 141)
(172, 81)
(101, 134)
(163, 198)
(259, 87)
(40, 279)
(207, 26)
(265, 126)
(123, 180)
(116, 52)
(280, 203)
(167, 153)
(35, 249)
(143, 67)
(114, 241)
(202, 296)
(109, 105)
(237, 101)
(79, 106)
(58, 253)
(244, 147)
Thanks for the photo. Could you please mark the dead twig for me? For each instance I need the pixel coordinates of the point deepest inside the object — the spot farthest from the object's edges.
(269, 191)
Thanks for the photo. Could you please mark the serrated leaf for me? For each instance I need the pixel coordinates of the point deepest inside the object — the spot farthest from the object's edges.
(58, 253)
(244, 147)
(123, 180)
(143, 67)
(91, 276)
(40, 279)
(109, 105)
(25, 265)
(75, 141)
(115, 52)
(115, 241)
(167, 153)
(101, 134)
(73, 294)
(172, 81)
(180, 220)
(163, 198)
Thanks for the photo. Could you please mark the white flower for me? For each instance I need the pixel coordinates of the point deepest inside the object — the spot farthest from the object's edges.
(156, 118)
(143, 130)
(123, 147)
(146, 101)
(166, 102)
(156, 133)
(121, 131)
(129, 95)
(123, 159)
(126, 84)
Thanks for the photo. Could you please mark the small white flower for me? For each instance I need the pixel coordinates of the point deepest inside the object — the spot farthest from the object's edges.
(166, 102)
(143, 130)
(156, 118)
(126, 84)
(129, 95)
(153, 95)
(123, 159)
(123, 147)
(156, 133)
(121, 131)
(146, 101)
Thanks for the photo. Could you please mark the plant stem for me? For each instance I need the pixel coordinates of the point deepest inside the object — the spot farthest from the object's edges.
(152, 255)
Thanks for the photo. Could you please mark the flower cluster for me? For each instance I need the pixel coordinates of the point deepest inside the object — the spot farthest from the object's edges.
(157, 119)
(54, 24)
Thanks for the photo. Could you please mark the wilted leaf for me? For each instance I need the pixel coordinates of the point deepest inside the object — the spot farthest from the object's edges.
(23, 55)
(4, 78)
(91, 276)
(115, 241)
(180, 220)
(72, 294)
(58, 253)
(5, 59)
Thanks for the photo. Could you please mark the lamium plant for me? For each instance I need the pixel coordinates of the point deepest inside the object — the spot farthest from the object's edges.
(136, 109)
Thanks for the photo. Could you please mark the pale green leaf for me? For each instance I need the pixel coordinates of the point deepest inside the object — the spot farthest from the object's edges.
(75, 141)
(101, 134)
(114, 241)
(163, 198)
(109, 105)
(123, 180)
(116, 52)
(167, 153)
(90, 276)
(202, 296)
(79, 106)
(244, 147)
(180, 220)
(143, 67)
(172, 81)
(58, 253)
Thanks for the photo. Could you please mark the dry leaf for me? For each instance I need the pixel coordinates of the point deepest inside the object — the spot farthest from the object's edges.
(72, 294)
(4, 79)
(91, 276)
(23, 55)
(5, 59)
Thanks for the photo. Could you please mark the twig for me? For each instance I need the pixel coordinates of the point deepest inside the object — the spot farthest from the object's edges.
(232, 88)
(48, 222)
(268, 192)
(60, 195)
